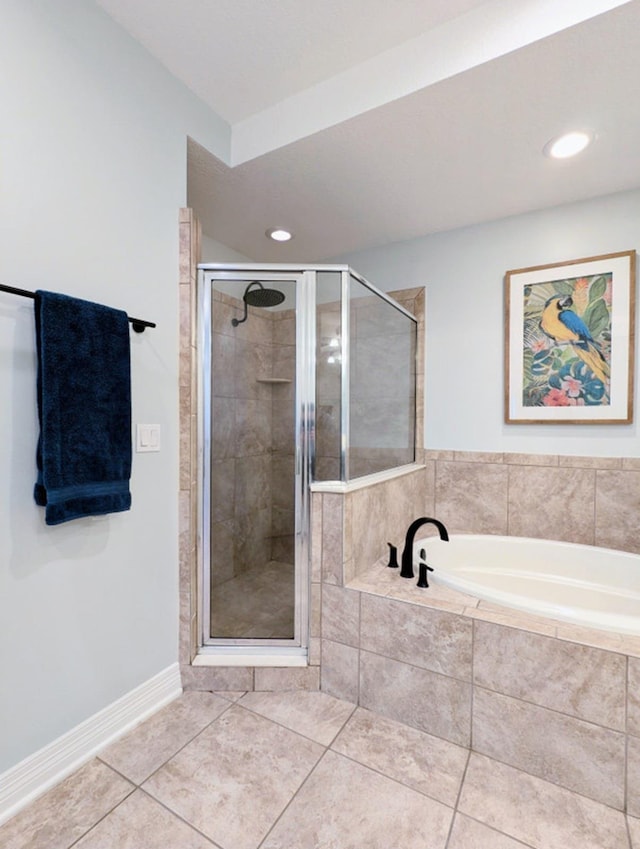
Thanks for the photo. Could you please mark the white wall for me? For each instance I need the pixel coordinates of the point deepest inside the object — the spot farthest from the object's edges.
(463, 271)
(92, 174)
(214, 251)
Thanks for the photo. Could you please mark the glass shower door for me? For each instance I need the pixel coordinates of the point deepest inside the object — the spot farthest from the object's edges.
(254, 556)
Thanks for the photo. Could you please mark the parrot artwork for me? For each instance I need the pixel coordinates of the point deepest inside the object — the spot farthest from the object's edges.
(560, 323)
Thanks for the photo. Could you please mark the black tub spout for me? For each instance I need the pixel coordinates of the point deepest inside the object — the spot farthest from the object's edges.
(407, 555)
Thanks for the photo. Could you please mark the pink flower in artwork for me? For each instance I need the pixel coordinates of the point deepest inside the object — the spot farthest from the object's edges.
(571, 386)
(556, 398)
(539, 345)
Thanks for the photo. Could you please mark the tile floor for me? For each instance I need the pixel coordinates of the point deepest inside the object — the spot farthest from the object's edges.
(256, 604)
(302, 770)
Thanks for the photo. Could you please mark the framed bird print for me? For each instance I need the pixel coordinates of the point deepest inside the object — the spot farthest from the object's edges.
(569, 343)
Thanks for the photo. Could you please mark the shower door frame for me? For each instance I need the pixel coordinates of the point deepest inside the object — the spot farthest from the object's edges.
(304, 452)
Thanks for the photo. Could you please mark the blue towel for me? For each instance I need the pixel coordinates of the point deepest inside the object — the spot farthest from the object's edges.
(84, 407)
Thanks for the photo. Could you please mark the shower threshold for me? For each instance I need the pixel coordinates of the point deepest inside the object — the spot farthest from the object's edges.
(251, 656)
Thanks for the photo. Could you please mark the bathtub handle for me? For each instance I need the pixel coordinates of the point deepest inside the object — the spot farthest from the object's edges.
(393, 557)
(422, 574)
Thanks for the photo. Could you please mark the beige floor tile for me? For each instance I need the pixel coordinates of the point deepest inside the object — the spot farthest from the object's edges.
(344, 805)
(315, 715)
(236, 777)
(67, 811)
(141, 823)
(144, 749)
(470, 834)
(634, 831)
(537, 812)
(425, 763)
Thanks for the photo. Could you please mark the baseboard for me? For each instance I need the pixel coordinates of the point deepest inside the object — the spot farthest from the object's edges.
(28, 779)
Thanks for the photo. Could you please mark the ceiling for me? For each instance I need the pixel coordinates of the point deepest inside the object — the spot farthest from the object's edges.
(357, 123)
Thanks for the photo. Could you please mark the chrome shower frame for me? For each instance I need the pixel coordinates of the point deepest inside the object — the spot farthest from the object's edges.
(289, 652)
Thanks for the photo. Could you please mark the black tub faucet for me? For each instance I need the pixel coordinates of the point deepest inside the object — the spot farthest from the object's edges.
(407, 554)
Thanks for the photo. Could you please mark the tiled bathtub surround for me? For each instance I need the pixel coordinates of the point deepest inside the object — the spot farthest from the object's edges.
(530, 693)
(588, 500)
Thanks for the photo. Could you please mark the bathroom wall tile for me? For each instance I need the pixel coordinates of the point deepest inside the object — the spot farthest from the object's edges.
(252, 427)
(436, 596)
(224, 365)
(421, 761)
(315, 610)
(223, 490)
(252, 483)
(429, 488)
(631, 464)
(223, 535)
(478, 456)
(590, 462)
(472, 497)
(344, 804)
(431, 639)
(217, 677)
(369, 527)
(241, 763)
(552, 503)
(251, 362)
(574, 754)
(316, 536)
(293, 678)
(284, 328)
(341, 615)
(339, 671)
(252, 533)
(434, 454)
(633, 710)
(633, 776)
(317, 716)
(145, 748)
(315, 651)
(417, 697)
(538, 813)
(382, 513)
(223, 432)
(607, 640)
(141, 821)
(618, 510)
(517, 459)
(65, 813)
(332, 533)
(471, 834)
(578, 680)
(283, 480)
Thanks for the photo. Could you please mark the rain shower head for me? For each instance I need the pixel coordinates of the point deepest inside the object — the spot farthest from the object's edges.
(260, 297)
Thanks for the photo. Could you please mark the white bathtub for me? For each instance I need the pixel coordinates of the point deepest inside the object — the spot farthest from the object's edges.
(594, 587)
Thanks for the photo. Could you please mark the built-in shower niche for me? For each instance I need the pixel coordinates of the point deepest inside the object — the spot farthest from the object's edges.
(252, 471)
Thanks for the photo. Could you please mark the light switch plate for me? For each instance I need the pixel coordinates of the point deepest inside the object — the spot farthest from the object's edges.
(147, 437)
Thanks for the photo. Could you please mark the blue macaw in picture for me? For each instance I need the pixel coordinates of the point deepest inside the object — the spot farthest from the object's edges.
(561, 324)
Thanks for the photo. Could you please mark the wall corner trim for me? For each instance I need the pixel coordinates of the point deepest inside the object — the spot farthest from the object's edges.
(36, 774)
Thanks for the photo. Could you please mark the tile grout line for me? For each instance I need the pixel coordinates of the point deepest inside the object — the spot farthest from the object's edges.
(457, 801)
(290, 802)
(179, 818)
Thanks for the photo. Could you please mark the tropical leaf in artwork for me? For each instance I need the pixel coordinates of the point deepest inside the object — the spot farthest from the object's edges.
(597, 317)
(563, 287)
(597, 289)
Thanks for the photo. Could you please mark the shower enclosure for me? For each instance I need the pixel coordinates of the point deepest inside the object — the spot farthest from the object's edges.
(307, 374)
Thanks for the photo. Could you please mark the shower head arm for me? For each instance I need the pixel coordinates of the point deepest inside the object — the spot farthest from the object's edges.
(236, 321)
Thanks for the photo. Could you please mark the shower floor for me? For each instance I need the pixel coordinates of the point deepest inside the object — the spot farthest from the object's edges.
(257, 604)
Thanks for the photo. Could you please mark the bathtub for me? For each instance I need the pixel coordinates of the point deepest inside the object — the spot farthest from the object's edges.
(594, 587)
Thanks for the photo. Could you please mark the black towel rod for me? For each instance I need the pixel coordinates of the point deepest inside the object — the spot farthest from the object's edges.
(138, 324)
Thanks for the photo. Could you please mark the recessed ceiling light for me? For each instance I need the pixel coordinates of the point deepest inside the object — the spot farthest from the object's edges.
(568, 144)
(279, 234)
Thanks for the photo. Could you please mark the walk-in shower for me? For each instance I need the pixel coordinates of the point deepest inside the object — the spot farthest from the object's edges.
(307, 374)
